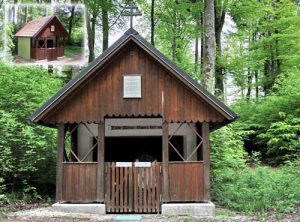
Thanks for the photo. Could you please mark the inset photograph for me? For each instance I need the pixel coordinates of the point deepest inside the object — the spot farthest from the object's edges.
(46, 34)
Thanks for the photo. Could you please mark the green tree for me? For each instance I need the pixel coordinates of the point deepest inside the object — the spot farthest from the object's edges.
(27, 152)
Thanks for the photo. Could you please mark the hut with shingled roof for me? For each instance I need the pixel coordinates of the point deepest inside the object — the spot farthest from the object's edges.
(43, 38)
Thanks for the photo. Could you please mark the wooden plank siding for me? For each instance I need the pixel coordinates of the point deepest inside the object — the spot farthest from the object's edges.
(59, 29)
(80, 182)
(186, 181)
(101, 95)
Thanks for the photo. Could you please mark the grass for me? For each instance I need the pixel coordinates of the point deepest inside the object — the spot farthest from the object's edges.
(257, 191)
(71, 51)
(224, 213)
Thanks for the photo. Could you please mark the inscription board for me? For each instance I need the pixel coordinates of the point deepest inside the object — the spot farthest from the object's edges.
(142, 164)
(132, 87)
(136, 164)
(123, 164)
(135, 127)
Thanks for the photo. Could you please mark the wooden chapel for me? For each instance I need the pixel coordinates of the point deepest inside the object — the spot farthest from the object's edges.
(133, 131)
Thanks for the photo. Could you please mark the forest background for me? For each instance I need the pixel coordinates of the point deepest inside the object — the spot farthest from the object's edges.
(246, 52)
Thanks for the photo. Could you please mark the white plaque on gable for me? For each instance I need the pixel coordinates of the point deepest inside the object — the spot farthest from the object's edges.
(132, 87)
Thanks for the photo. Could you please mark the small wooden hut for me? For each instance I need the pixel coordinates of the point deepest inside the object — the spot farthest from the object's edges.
(133, 131)
(43, 38)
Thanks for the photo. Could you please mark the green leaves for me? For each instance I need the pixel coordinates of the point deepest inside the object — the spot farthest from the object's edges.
(283, 140)
(272, 123)
(266, 42)
(25, 149)
(227, 150)
(255, 191)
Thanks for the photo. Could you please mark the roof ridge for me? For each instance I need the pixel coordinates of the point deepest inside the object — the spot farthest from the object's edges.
(131, 31)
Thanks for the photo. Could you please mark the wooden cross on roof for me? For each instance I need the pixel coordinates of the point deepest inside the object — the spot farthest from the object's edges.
(131, 10)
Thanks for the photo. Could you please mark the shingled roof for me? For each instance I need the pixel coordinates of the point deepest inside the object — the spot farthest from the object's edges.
(132, 35)
(33, 28)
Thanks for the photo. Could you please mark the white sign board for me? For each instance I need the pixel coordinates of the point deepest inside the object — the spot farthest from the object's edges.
(132, 87)
(142, 164)
(133, 127)
(123, 164)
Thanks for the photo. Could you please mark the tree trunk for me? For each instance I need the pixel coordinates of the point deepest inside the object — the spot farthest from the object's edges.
(219, 74)
(209, 45)
(270, 66)
(14, 14)
(105, 26)
(249, 84)
(152, 22)
(26, 14)
(267, 75)
(196, 54)
(278, 62)
(174, 43)
(202, 44)
(198, 28)
(256, 83)
(71, 24)
(90, 25)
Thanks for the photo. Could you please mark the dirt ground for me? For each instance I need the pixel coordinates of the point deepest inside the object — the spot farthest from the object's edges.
(75, 60)
(47, 214)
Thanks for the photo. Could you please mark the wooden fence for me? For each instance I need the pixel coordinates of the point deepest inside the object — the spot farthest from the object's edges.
(133, 189)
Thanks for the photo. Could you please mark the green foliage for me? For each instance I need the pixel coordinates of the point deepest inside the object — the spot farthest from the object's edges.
(9, 47)
(266, 42)
(77, 31)
(255, 191)
(283, 139)
(27, 152)
(272, 123)
(71, 51)
(175, 29)
(77, 36)
(227, 150)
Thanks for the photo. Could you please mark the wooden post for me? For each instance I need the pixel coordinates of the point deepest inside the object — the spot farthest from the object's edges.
(100, 162)
(206, 159)
(165, 158)
(60, 158)
(46, 48)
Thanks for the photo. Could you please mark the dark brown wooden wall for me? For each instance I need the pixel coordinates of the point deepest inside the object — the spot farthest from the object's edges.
(186, 181)
(102, 95)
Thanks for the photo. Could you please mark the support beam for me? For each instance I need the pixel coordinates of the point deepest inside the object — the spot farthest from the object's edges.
(206, 159)
(100, 162)
(200, 150)
(165, 150)
(59, 161)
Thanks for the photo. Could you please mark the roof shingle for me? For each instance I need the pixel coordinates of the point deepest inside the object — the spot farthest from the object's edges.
(33, 28)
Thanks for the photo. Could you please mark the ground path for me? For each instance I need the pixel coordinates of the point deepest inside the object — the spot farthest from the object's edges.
(47, 214)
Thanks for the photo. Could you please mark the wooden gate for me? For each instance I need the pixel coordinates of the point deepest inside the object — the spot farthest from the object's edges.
(133, 189)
